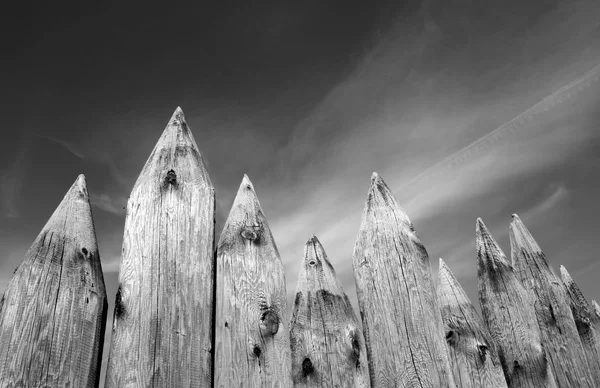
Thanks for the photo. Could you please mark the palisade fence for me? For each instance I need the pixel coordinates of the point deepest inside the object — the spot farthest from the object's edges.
(192, 314)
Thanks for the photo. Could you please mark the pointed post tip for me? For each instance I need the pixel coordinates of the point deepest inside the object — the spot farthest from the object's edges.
(566, 276)
(247, 182)
(312, 239)
(80, 185)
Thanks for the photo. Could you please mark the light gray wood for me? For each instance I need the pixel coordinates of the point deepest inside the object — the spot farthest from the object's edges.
(473, 353)
(53, 313)
(560, 338)
(253, 343)
(401, 319)
(163, 326)
(588, 324)
(509, 314)
(596, 308)
(327, 343)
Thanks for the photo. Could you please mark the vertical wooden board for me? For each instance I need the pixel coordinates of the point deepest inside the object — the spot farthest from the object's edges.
(509, 313)
(401, 320)
(163, 325)
(473, 353)
(53, 313)
(326, 340)
(587, 322)
(560, 338)
(253, 345)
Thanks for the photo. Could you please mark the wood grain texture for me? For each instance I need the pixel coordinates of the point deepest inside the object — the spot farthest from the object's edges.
(509, 313)
(473, 353)
(401, 319)
(53, 313)
(587, 322)
(560, 338)
(253, 344)
(596, 308)
(163, 326)
(327, 343)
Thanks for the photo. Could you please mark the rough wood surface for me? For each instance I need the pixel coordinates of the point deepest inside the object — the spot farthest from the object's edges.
(588, 324)
(253, 344)
(53, 313)
(596, 308)
(401, 320)
(162, 328)
(327, 344)
(473, 353)
(508, 311)
(560, 338)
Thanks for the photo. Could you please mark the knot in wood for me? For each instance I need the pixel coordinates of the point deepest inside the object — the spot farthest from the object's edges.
(251, 233)
(269, 322)
(307, 367)
(171, 177)
(256, 350)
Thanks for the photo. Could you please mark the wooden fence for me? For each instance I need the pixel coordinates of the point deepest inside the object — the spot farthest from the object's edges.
(189, 314)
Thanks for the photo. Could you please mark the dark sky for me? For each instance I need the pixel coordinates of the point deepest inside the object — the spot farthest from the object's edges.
(309, 98)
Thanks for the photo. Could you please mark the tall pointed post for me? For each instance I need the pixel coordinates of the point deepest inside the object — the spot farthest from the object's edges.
(53, 313)
(162, 327)
(555, 319)
(253, 343)
(401, 320)
(328, 348)
(587, 322)
(473, 353)
(509, 314)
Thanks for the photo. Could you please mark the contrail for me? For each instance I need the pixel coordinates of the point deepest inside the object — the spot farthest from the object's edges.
(564, 93)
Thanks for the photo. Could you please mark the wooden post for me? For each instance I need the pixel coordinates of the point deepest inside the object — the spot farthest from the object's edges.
(473, 353)
(53, 313)
(253, 343)
(596, 308)
(509, 314)
(162, 328)
(560, 339)
(588, 324)
(327, 343)
(401, 320)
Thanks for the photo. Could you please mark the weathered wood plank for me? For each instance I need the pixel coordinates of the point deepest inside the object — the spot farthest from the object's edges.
(473, 353)
(401, 320)
(588, 324)
(253, 343)
(560, 338)
(596, 308)
(327, 343)
(163, 326)
(508, 311)
(53, 313)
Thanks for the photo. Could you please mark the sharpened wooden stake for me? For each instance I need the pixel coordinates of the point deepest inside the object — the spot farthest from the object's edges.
(253, 343)
(401, 320)
(508, 311)
(560, 338)
(163, 325)
(327, 343)
(588, 324)
(473, 353)
(53, 313)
